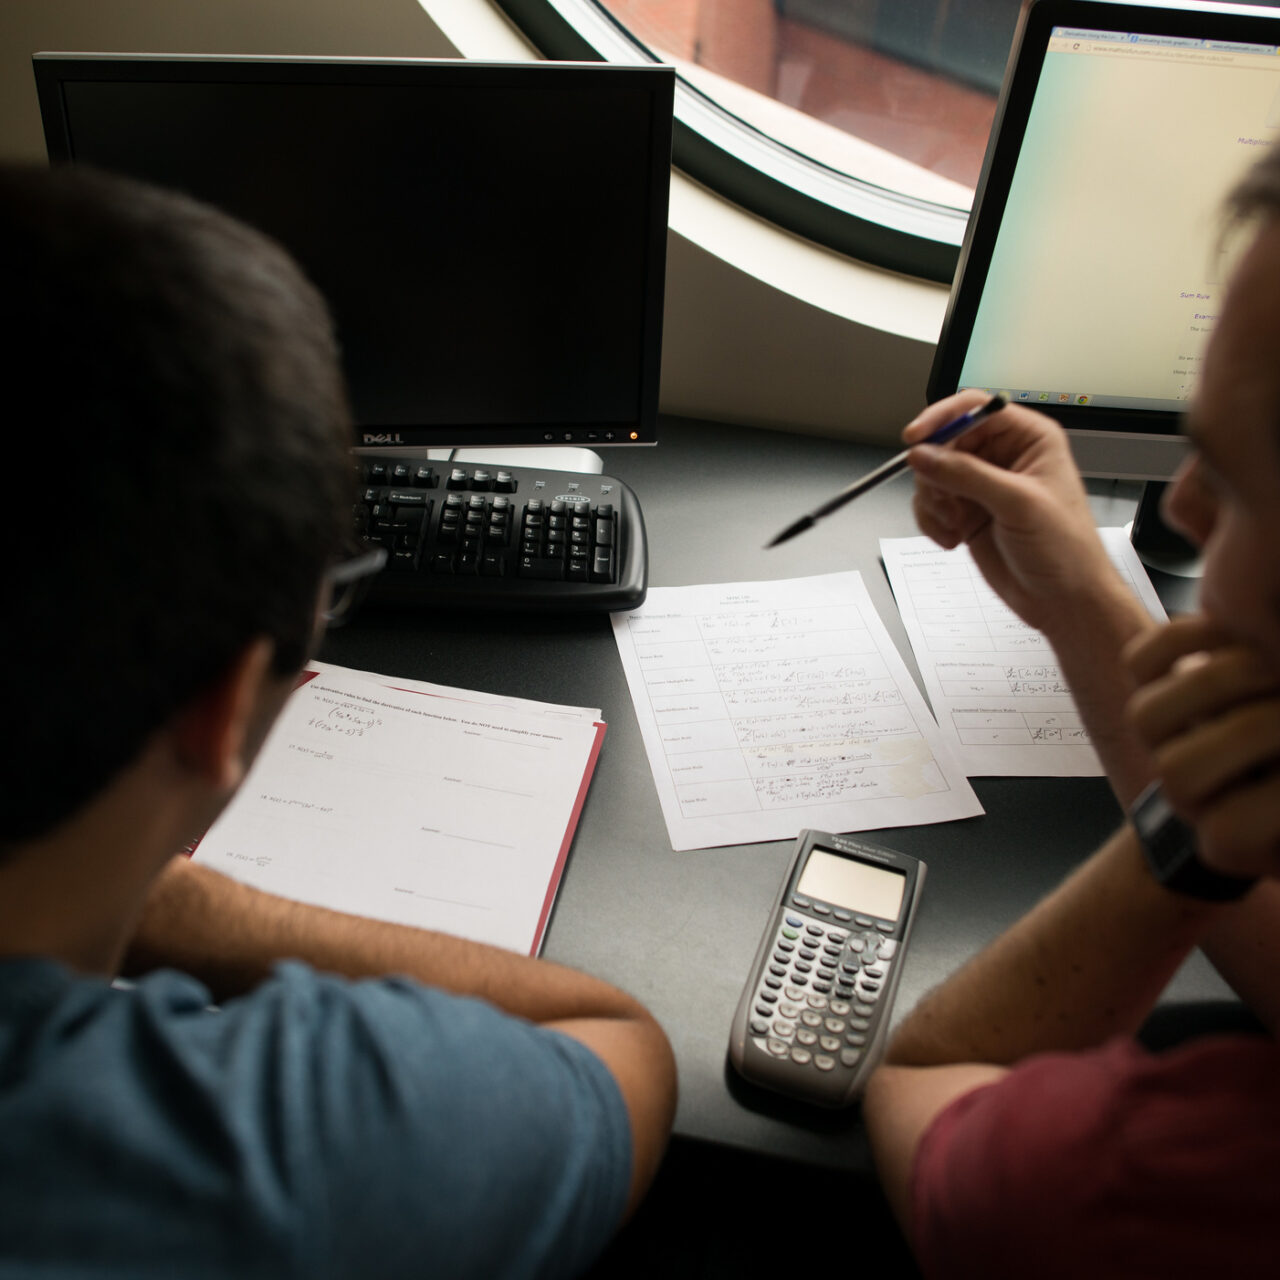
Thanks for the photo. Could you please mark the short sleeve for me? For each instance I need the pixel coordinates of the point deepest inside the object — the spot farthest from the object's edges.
(425, 1133)
(1115, 1162)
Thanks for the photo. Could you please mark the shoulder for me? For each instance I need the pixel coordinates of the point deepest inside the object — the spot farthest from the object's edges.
(335, 1122)
(1155, 1158)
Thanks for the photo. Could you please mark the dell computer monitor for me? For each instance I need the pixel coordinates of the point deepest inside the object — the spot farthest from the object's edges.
(491, 238)
(1091, 277)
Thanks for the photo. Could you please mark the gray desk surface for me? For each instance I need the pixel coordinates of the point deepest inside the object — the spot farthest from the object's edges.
(679, 930)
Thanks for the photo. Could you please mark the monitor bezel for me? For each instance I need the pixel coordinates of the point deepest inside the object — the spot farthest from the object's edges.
(53, 70)
(1100, 432)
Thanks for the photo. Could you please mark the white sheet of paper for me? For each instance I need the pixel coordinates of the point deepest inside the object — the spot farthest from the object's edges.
(445, 809)
(994, 682)
(768, 707)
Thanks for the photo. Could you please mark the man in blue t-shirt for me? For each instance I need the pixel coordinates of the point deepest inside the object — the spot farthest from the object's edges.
(387, 1101)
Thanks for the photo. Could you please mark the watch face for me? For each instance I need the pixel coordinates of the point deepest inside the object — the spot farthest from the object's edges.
(1170, 848)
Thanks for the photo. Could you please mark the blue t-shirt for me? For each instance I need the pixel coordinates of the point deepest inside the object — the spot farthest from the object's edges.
(317, 1127)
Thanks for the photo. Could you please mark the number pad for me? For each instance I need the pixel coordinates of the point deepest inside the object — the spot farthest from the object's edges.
(817, 1000)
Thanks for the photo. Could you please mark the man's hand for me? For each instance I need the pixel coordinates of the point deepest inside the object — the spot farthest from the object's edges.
(1208, 710)
(1010, 489)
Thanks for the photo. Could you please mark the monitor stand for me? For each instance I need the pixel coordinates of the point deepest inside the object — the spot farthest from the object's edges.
(548, 457)
(1158, 546)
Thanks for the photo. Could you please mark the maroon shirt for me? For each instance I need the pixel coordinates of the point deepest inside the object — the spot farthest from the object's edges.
(1116, 1162)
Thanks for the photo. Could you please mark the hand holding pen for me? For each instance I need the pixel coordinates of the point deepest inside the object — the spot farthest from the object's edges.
(896, 464)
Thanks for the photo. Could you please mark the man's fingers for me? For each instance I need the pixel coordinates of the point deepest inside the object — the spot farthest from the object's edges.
(1197, 686)
(1153, 653)
(1223, 753)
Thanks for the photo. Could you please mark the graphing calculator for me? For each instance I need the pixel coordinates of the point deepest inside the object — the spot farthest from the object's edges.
(814, 1014)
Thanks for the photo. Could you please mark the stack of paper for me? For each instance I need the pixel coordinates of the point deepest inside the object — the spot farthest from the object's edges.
(413, 803)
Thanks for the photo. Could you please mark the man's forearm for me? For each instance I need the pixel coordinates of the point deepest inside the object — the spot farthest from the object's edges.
(1087, 963)
(229, 935)
(1088, 640)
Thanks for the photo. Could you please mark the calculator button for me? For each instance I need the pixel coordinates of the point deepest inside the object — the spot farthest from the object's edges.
(817, 1001)
(829, 1043)
(806, 954)
(802, 1056)
(759, 1027)
(885, 926)
(791, 934)
(856, 1038)
(834, 1025)
(873, 971)
(793, 993)
(850, 1057)
(857, 944)
(887, 948)
(824, 1062)
(821, 908)
(779, 1048)
(824, 987)
(764, 1011)
(844, 992)
(769, 997)
(778, 970)
(794, 921)
(783, 1029)
(863, 1010)
(868, 989)
(840, 1008)
(773, 984)
(799, 979)
(832, 950)
(799, 900)
(864, 921)
(810, 1019)
(815, 931)
(784, 945)
(803, 966)
(860, 1024)
(788, 1010)
(825, 973)
(805, 1036)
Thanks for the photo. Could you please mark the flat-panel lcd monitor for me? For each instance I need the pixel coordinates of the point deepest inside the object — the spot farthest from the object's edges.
(1091, 275)
(491, 238)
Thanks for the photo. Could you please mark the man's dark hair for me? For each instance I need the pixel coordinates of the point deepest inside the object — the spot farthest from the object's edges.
(178, 470)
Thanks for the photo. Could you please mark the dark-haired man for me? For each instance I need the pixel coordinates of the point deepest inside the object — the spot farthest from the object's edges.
(1018, 1126)
(178, 490)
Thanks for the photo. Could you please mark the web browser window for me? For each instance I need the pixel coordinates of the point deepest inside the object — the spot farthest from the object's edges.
(1114, 216)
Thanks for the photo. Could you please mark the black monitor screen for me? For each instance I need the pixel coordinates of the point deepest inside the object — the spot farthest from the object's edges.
(1091, 278)
(491, 238)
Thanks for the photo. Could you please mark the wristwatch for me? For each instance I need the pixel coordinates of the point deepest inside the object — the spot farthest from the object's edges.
(1170, 849)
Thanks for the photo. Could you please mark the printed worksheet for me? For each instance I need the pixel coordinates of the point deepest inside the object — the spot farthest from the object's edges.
(768, 707)
(413, 803)
(994, 682)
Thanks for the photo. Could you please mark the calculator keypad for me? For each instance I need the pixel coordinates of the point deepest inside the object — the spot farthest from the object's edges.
(817, 1001)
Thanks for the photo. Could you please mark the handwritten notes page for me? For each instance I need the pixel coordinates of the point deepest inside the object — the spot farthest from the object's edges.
(994, 682)
(767, 707)
(413, 803)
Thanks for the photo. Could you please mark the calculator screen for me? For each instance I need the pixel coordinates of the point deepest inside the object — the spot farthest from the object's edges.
(844, 882)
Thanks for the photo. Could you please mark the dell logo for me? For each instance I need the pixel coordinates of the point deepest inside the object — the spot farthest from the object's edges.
(382, 437)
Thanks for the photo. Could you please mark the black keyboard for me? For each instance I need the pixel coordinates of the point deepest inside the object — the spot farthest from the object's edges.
(501, 537)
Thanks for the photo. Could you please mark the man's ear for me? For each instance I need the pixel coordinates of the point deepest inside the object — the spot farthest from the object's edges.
(218, 733)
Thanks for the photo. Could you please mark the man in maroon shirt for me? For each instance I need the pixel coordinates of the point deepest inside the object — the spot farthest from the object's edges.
(1018, 1127)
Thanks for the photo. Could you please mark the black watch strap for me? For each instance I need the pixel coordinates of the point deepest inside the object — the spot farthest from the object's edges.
(1170, 849)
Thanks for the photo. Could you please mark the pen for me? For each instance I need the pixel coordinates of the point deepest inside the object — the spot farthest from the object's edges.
(948, 431)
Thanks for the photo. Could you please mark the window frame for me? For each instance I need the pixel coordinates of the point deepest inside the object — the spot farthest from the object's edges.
(870, 223)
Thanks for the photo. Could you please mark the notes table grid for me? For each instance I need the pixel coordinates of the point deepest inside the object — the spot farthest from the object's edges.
(995, 683)
(769, 707)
